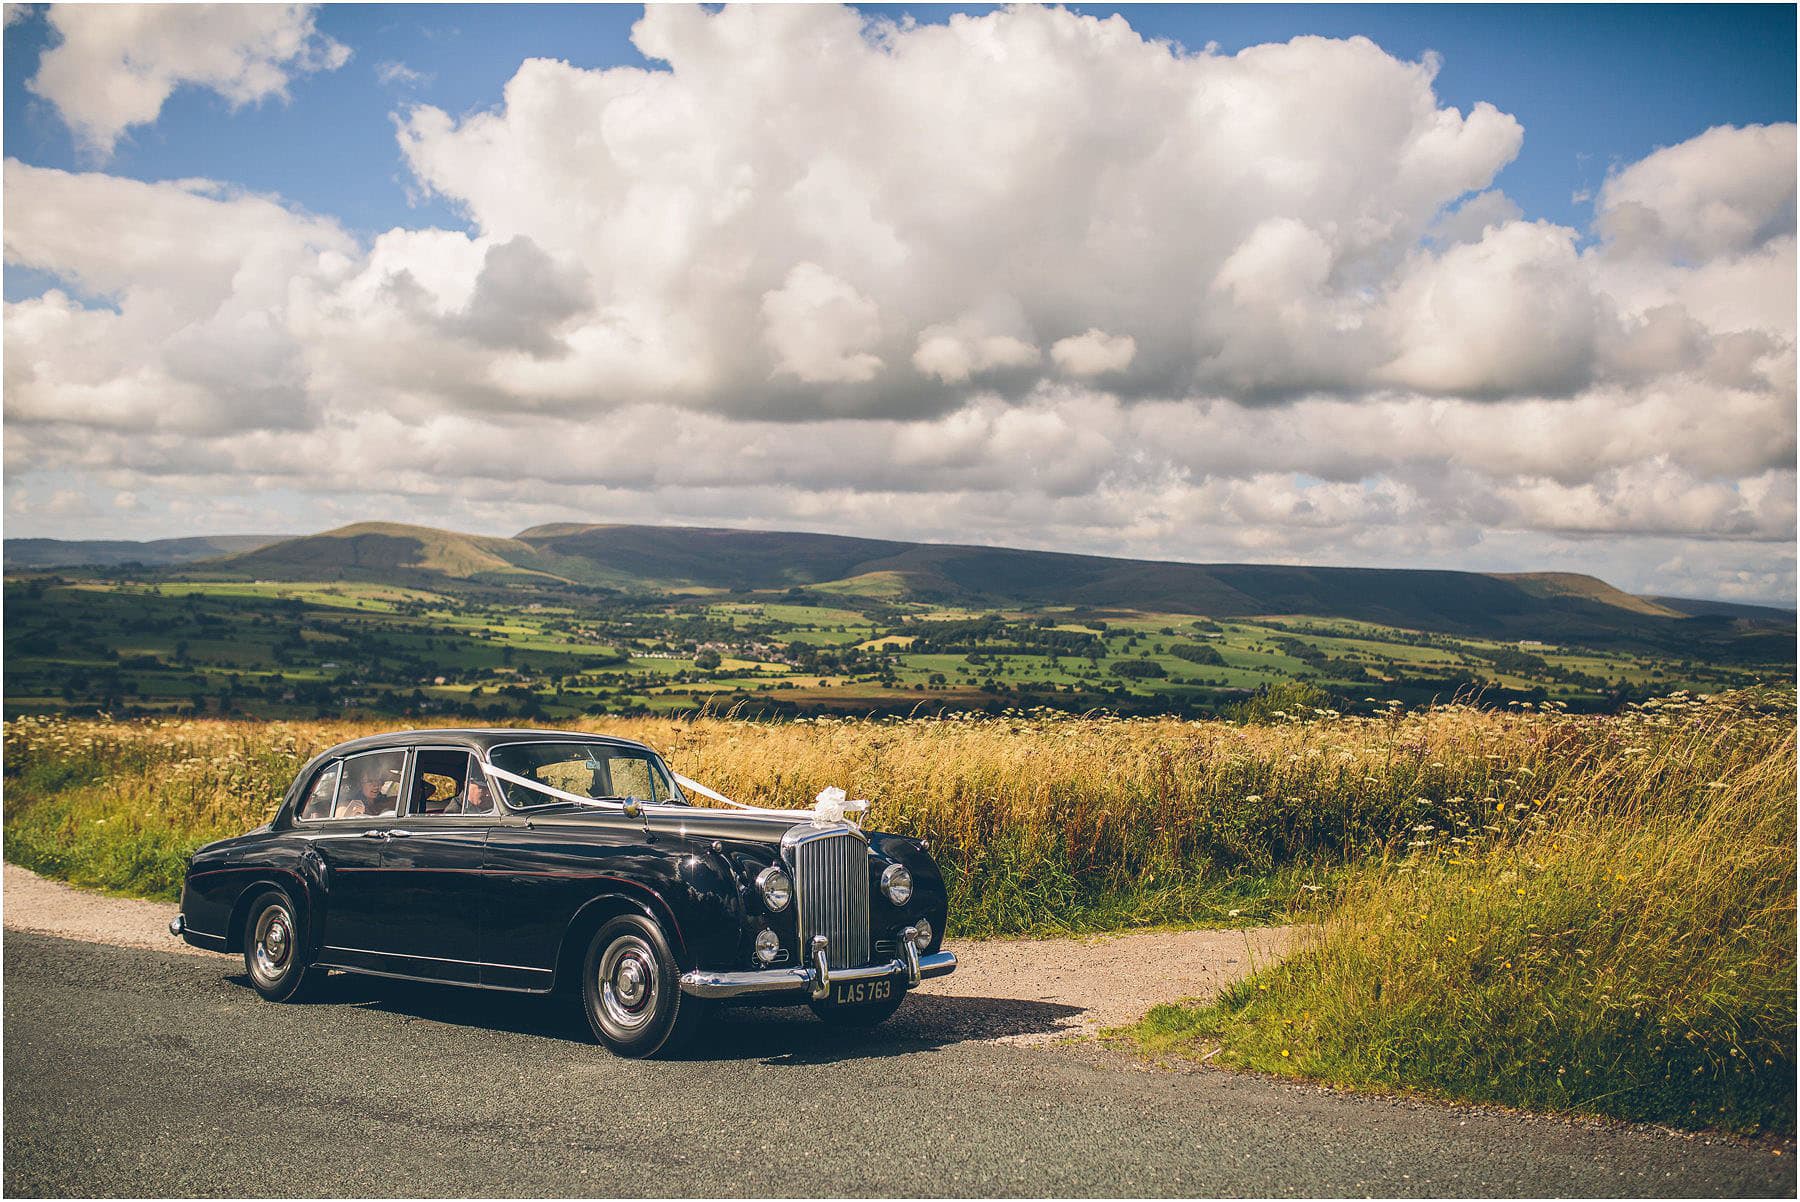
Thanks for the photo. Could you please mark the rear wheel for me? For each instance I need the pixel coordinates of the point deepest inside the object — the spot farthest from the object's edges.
(273, 957)
(631, 990)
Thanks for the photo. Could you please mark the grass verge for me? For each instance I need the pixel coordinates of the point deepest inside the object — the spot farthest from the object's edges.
(1632, 955)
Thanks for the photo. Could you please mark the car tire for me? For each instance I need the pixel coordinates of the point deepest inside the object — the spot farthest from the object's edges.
(274, 950)
(631, 990)
(864, 1014)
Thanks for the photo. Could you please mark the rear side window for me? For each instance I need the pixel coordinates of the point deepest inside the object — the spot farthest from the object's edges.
(371, 787)
(323, 792)
(442, 784)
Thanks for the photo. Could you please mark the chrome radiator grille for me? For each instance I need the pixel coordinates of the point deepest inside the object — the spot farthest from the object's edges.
(831, 879)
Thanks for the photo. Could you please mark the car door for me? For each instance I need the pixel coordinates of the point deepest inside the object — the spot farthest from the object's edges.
(349, 840)
(541, 869)
(430, 893)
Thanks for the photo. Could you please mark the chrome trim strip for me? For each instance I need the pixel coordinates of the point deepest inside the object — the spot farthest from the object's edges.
(363, 951)
(407, 976)
(803, 982)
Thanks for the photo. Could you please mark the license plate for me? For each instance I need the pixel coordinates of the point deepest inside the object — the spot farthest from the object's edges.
(853, 993)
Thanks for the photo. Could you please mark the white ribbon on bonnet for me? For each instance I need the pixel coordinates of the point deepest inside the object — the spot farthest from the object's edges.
(829, 808)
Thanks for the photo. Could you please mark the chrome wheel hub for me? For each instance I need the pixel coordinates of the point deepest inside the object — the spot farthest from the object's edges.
(628, 985)
(272, 948)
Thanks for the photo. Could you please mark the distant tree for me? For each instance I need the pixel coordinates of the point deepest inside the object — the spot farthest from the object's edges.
(707, 660)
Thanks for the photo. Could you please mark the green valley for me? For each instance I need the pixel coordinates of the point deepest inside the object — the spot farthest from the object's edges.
(571, 620)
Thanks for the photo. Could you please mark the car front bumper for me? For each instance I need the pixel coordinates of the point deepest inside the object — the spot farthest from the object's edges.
(817, 980)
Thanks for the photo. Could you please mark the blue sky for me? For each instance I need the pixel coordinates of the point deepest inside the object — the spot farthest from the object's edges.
(1594, 85)
(1022, 280)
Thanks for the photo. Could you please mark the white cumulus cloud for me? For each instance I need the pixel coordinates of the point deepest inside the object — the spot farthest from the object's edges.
(1024, 277)
(115, 64)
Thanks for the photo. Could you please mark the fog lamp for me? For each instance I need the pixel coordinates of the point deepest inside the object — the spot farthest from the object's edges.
(777, 890)
(922, 934)
(896, 883)
(768, 946)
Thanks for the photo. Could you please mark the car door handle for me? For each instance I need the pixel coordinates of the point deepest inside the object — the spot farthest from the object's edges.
(374, 834)
(398, 834)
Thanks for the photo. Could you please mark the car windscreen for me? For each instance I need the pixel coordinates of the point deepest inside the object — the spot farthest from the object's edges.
(598, 771)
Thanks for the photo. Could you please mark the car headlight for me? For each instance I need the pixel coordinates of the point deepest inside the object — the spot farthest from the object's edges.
(777, 890)
(896, 882)
(922, 934)
(768, 946)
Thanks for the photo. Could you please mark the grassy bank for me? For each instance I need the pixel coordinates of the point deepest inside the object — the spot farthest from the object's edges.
(1623, 944)
(1043, 823)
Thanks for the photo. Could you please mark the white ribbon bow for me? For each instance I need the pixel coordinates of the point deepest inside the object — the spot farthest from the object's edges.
(830, 807)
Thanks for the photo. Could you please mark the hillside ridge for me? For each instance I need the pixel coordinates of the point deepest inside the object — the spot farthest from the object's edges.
(1534, 607)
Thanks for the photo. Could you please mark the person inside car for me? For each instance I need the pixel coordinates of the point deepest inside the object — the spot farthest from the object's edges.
(476, 799)
(364, 798)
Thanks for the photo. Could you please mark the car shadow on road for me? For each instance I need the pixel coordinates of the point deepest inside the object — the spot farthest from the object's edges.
(924, 1022)
(774, 1035)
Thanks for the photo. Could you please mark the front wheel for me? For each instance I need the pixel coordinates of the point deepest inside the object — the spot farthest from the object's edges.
(272, 954)
(631, 990)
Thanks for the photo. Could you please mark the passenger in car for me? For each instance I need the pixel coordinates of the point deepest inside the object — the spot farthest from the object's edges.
(364, 798)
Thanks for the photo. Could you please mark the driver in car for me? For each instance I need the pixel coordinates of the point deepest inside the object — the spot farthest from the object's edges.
(476, 799)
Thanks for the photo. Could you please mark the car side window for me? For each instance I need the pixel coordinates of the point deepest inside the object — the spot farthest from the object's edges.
(371, 786)
(441, 784)
(319, 798)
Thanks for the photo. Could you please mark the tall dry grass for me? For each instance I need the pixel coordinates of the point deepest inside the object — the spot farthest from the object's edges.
(1043, 823)
(1625, 947)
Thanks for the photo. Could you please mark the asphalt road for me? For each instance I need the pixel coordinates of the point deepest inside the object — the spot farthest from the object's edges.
(133, 1072)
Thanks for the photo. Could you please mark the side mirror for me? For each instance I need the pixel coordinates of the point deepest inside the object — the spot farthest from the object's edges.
(634, 808)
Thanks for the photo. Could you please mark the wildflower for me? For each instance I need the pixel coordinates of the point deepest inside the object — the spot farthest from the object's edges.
(1284, 1053)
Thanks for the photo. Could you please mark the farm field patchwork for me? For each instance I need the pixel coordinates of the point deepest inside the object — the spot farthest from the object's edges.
(270, 649)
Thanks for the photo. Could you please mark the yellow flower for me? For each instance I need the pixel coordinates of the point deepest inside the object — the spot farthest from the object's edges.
(1451, 938)
(1284, 1053)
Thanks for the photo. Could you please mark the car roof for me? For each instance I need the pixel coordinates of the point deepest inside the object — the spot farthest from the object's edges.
(480, 739)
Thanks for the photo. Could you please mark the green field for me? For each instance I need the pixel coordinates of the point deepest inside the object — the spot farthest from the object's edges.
(287, 649)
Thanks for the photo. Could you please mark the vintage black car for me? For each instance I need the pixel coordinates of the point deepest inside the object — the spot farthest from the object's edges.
(544, 861)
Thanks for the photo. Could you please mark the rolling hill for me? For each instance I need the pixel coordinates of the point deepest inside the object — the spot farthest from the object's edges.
(391, 552)
(25, 553)
(1545, 607)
